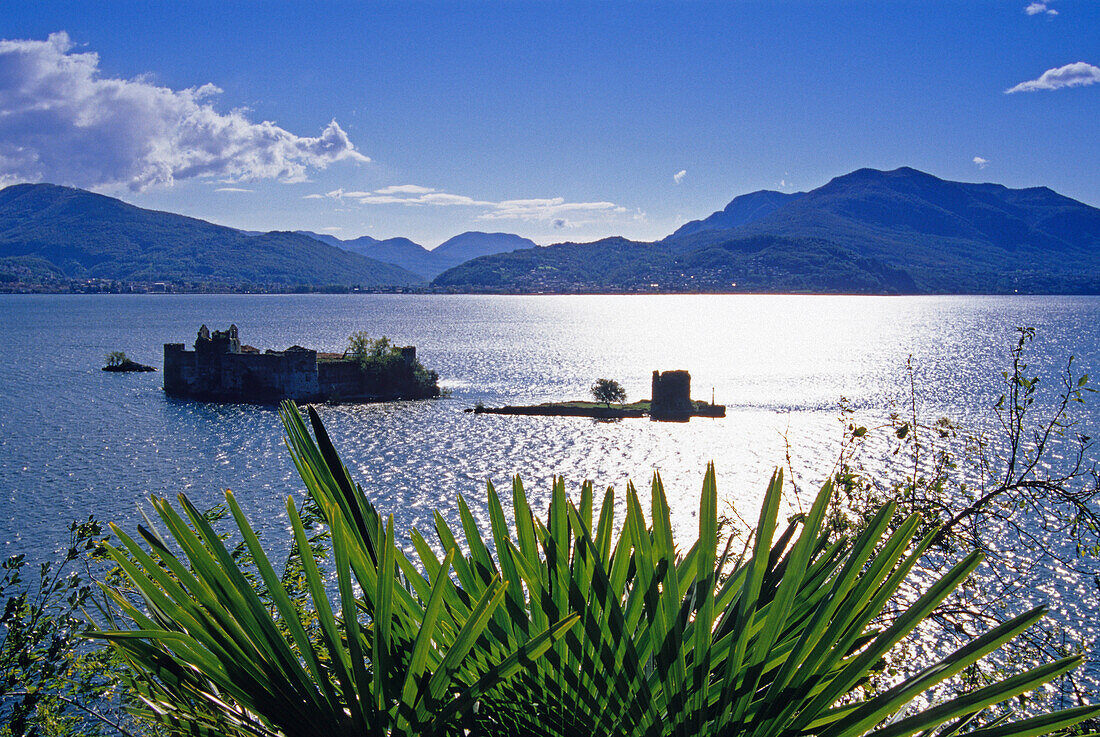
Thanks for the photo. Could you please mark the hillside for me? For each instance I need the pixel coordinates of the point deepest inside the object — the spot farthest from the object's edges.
(74, 234)
(870, 231)
(612, 264)
(429, 263)
(473, 244)
(397, 251)
(748, 208)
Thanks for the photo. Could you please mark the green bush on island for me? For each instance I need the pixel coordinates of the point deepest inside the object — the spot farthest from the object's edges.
(384, 365)
(577, 625)
(117, 361)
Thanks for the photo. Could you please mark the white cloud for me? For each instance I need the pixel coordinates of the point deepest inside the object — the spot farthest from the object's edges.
(1040, 7)
(404, 189)
(332, 229)
(679, 176)
(448, 200)
(980, 162)
(404, 194)
(314, 197)
(62, 121)
(550, 209)
(232, 189)
(1078, 74)
(384, 199)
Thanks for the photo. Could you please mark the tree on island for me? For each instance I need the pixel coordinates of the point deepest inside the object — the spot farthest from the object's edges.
(117, 358)
(384, 366)
(608, 391)
(367, 351)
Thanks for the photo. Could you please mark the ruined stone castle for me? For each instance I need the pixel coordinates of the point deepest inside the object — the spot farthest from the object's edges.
(220, 369)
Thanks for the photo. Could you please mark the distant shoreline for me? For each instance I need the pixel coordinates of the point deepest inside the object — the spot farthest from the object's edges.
(242, 290)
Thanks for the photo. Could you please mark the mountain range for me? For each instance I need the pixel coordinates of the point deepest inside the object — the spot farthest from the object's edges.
(423, 262)
(52, 233)
(49, 233)
(870, 231)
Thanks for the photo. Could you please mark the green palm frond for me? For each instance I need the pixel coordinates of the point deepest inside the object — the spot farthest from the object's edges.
(215, 660)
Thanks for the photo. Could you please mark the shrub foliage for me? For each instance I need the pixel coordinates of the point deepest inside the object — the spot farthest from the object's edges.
(383, 366)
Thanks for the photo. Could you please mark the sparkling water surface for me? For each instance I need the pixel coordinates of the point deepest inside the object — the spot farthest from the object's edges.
(75, 440)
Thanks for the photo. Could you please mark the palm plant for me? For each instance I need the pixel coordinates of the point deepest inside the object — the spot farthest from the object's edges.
(571, 628)
(664, 649)
(208, 655)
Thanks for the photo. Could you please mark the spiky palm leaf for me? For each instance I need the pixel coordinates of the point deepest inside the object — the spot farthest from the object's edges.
(214, 660)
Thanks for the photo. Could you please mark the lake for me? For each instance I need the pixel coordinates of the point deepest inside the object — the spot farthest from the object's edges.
(75, 440)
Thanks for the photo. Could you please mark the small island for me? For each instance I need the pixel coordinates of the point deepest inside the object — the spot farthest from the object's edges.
(221, 369)
(119, 362)
(670, 402)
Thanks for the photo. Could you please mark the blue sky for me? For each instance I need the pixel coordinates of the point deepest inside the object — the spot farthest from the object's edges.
(555, 120)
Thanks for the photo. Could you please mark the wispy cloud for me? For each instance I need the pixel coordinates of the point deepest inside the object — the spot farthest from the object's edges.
(232, 189)
(451, 200)
(404, 189)
(679, 176)
(62, 121)
(980, 162)
(1041, 8)
(551, 209)
(1078, 74)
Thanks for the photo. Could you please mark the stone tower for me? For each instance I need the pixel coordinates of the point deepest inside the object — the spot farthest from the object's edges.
(671, 397)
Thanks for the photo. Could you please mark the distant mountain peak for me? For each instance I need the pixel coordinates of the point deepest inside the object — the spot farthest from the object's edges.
(15, 189)
(742, 210)
(869, 174)
(477, 233)
(414, 257)
(474, 243)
